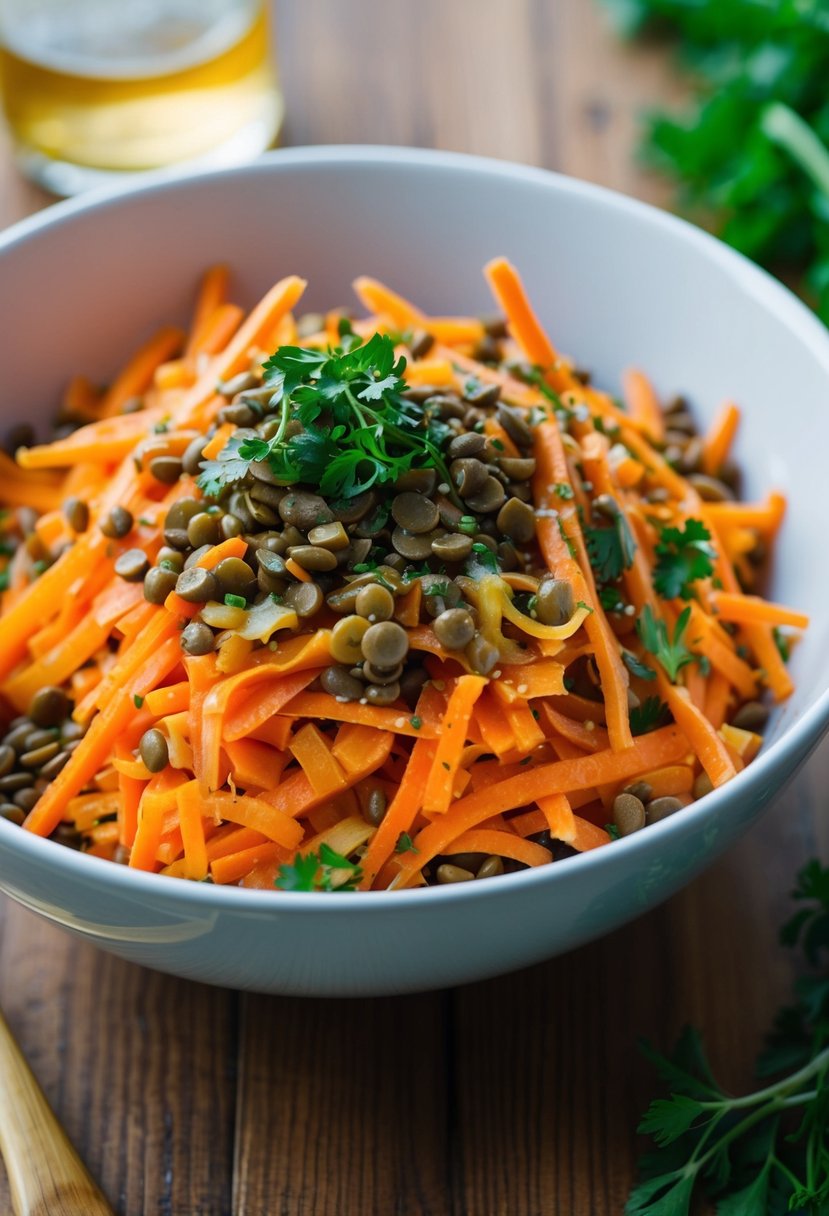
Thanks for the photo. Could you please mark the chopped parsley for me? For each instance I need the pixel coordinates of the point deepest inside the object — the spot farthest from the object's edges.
(562, 490)
(137, 701)
(358, 430)
(325, 871)
(611, 550)
(405, 844)
(636, 667)
(651, 714)
(415, 722)
(683, 555)
(235, 601)
(671, 653)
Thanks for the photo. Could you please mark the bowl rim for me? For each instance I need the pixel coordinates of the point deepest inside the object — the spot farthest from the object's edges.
(797, 738)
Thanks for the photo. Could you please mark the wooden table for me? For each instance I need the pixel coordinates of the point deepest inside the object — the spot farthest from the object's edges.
(515, 1097)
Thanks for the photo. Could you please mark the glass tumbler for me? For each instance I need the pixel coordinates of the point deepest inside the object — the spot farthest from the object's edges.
(96, 89)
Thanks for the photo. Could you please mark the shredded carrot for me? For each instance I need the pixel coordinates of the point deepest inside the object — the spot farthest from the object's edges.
(719, 438)
(643, 404)
(272, 744)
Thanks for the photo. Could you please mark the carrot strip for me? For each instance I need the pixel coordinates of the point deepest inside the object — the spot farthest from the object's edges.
(664, 746)
(322, 705)
(559, 817)
(718, 439)
(704, 739)
(438, 792)
(218, 330)
(211, 295)
(525, 326)
(501, 844)
(312, 751)
(401, 812)
(643, 404)
(751, 610)
(192, 830)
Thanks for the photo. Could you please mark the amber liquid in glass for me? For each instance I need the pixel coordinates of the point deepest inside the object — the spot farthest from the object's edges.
(94, 89)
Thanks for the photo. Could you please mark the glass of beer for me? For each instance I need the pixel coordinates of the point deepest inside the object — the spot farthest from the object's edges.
(94, 90)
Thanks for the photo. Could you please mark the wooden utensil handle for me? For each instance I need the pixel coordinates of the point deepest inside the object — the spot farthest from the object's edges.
(46, 1175)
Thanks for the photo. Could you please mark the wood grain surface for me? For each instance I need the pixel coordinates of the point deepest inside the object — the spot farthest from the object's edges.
(516, 1097)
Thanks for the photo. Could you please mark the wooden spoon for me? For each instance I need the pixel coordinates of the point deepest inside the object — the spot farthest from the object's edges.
(46, 1175)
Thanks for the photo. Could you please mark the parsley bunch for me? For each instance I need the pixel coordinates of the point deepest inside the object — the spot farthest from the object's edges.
(751, 153)
(683, 555)
(612, 549)
(766, 1153)
(356, 430)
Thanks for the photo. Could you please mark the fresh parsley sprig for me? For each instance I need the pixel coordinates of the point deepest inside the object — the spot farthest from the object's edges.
(323, 871)
(765, 1153)
(672, 653)
(683, 555)
(612, 549)
(356, 429)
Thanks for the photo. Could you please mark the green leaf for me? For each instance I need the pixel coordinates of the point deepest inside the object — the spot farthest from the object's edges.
(405, 844)
(299, 876)
(667, 1195)
(672, 654)
(666, 1119)
(648, 716)
(636, 667)
(611, 550)
(683, 555)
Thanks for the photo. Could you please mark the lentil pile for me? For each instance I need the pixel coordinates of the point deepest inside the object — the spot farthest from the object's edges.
(382, 603)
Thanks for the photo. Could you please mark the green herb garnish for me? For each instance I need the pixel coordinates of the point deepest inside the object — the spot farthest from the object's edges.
(611, 550)
(415, 722)
(562, 490)
(326, 871)
(683, 555)
(652, 713)
(357, 429)
(750, 153)
(137, 701)
(235, 601)
(764, 1153)
(636, 667)
(405, 844)
(484, 557)
(782, 643)
(653, 634)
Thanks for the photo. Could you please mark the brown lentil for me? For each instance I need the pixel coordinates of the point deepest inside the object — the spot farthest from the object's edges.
(12, 813)
(304, 510)
(197, 585)
(752, 716)
(382, 694)
(628, 813)
(166, 469)
(132, 565)
(661, 808)
(235, 577)
(471, 443)
(339, 683)
(702, 785)
(203, 529)
(469, 475)
(516, 519)
(76, 513)
(192, 455)
(331, 536)
(554, 601)
(117, 523)
(13, 782)
(26, 799)
(454, 628)
(384, 645)
(639, 789)
(306, 599)
(347, 638)
(154, 750)
(52, 767)
(49, 706)
(375, 806)
(452, 548)
(18, 737)
(40, 755)
(313, 557)
(7, 759)
(481, 655)
(412, 546)
(490, 497)
(198, 638)
(415, 512)
(158, 584)
(375, 603)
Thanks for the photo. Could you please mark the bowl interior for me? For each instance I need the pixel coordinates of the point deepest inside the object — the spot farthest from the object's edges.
(616, 283)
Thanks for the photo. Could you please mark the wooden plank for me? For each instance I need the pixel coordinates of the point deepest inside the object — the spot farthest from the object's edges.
(342, 1108)
(138, 1067)
(549, 1081)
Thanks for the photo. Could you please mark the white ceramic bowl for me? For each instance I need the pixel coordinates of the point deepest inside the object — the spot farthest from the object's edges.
(617, 283)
